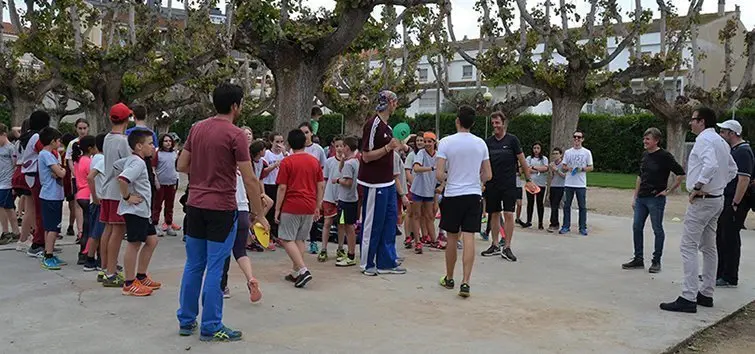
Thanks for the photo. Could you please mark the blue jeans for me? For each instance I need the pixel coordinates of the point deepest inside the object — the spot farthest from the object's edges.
(654, 207)
(581, 193)
(201, 254)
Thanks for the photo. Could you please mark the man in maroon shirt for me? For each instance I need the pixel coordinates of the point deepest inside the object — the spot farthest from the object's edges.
(213, 151)
(379, 211)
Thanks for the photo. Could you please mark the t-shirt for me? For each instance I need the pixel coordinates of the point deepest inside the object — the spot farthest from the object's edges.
(398, 170)
(7, 165)
(376, 134)
(503, 161)
(114, 148)
(424, 182)
(272, 158)
(137, 127)
(216, 146)
(52, 187)
(98, 163)
(655, 168)
(557, 180)
(80, 173)
(30, 155)
(350, 170)
(133, 170)
(300, 172)
(331, 173)
(464, 154)
(242, 201)
(742, 155)
(539, 178)
(409, 162)
(165, 167)
(317, 151)
(581, 158)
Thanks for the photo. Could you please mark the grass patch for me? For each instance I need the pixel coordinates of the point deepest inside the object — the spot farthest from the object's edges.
(611, 180)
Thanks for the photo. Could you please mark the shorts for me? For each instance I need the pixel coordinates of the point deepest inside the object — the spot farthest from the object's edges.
(210, 225)
(52, 214)
(109, 212)
(461, 213)
(497, 200)
(7, 199)
(294, 227)
(348, 211)
(519, 191)
(96, 227)
(329, 209)
(418, 199)
(138, 228)
(74, 190)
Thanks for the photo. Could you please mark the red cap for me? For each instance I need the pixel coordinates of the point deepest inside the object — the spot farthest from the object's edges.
(119, 113)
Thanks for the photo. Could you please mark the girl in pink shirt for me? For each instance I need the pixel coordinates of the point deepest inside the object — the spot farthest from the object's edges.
(82, 158)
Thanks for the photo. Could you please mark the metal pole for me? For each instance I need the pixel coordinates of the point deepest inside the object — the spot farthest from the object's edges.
(437, 101)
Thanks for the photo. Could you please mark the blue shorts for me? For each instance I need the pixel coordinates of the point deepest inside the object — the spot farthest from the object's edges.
(52, 214)
(7, 199)
(96, 227)
(418, 199)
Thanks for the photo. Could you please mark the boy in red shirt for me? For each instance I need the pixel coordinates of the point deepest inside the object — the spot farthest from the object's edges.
(300, 190)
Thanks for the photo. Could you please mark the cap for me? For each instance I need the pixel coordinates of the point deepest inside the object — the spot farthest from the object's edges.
(119, 113)
(732, 125)
(430, 135)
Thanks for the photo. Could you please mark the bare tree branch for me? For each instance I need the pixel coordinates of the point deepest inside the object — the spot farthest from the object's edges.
(76, 24)
(590, 21)
(564, 19)
(452, 34)
(15, 20)
(132, 23)
(746, 82)
(112, 25)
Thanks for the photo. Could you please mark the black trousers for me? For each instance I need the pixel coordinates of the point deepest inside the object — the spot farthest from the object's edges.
(531, 200)
(557, 193)
(272, 191)
(729, 240)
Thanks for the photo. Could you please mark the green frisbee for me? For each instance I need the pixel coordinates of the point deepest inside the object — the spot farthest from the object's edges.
(401, 131)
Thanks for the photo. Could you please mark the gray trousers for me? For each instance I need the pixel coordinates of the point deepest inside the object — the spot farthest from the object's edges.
(699, 234)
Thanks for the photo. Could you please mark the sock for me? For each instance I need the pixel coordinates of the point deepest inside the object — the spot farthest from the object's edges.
(351, 256)
(140, 276)
(302, 270)
(128, 283)
(48, 255)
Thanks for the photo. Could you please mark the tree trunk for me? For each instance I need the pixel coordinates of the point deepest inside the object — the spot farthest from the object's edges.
(564, 121)
(295, 89)
(20, 109)
(676, 133)
(96, 114)
(354, 125)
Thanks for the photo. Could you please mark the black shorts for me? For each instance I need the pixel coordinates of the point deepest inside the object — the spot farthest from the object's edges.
(461, 213)
(497, 200)
(347, 211)
(138, 228)
(21, 192)
(210, 225)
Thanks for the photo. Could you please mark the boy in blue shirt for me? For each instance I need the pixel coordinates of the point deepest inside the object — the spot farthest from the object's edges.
(51, 194)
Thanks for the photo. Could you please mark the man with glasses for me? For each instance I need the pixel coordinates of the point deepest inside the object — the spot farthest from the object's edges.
(736, 206)
(577, 162)
(709, 168)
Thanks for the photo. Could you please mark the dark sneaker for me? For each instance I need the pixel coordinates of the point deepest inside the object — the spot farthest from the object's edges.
(635, 263)
(705, 301)
(447, 283)
(303, 279)
(290, 277)
(394, 270)
(113, 281)
(418, 248)
(680, 305)
(508, 255)
(655, 267)
(225, 334)
(82, 259)
(520, 222)
(721, 283)
(527, 225)
(540, 227)
(90, 266)
(185, 331)
(69, 231)
(583, 232)
(564, 231)
(493, 250)
(552, 228)
(464, 290)
(35, 251)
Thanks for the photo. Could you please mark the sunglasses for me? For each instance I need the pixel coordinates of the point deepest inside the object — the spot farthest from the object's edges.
(578, 137)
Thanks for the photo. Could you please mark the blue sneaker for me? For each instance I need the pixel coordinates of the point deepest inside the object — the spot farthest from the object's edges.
(60, 261)
(484, 236)
(313, 249)
(50, 264)
(185, 331)
(564, 230)
(225, 334)
(583, 232)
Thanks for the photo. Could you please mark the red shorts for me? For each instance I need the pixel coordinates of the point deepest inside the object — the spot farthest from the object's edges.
(329, 209)
(109, 212)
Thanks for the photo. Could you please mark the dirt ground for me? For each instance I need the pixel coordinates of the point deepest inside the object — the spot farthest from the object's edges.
(735, 335)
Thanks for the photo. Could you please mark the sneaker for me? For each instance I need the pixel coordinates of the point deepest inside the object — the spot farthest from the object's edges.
(508, 255)
(341, 253)
(90, 267)
(484, 236)
(323, 256)
(484, 219)
(60, 261)
(290, 277)
(635, 263)
(394, 270)
(520, 222)
(680, 305)
(175, 227)
(255, 294)
(721, 283)
(464, 290)
(35, 251)
(564, 231)
(705, 301)
(552, 229)
(426, 240)
(164, 227)
(408, 242)
(113, 281)
(493, 250)
(135, 289)
(69, 231)
(439, 245)
(148, 282)
(418, 248)
(256, 247)
(303, 279)
(655, 267)
(185, 331)
(313, 249)
(346, 262)
(22, 246)
(527, 225)
(226, 293)
(583, 232)
(5, 238)
(225, 334)
(171, 232)
(447, 283)
(82, 259)
(271, 246)
(100, 276)
(540, 227)
(50, 264)
(370, 272)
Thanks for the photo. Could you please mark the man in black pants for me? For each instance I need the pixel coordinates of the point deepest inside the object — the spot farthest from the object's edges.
(736, 206)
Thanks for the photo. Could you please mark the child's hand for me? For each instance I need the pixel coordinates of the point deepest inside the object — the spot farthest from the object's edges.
(134, 199)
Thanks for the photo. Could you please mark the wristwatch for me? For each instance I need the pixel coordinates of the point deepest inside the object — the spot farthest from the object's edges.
(127, 197)
(528, 180)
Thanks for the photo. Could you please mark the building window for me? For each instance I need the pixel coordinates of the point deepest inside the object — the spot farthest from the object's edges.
(422, 74)
(466, 72)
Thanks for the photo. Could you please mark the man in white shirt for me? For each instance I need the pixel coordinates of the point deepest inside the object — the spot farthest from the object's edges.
(577, 162)
(467, 160)
(709, 169)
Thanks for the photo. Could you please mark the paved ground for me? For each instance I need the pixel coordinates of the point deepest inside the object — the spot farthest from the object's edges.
(565, 295)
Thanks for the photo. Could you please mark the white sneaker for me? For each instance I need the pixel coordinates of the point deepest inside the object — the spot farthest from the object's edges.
(22, 246)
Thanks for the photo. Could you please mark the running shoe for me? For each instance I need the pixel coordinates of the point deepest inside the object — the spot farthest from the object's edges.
(303, 279)
(113, 281)
(370, 272)
(508, 255)
(185, 331)
(22, 246)
(5, 238)
(256, 247)
(418, 248)
(408, 242)
(341, 253)
(136, 289)
(226, 293)
(90, 266)
(148, 282)
(175, 227)
(484, 219)
(272, 245)
(426, 240)
(394, 270)
(100, 276)
(291, 277)
(323, 256)
(50, 264)
(255, 293)
(721, 283)
(447, 283)
(520, 222)
(171, 232)
(82, 259)
(464, 290)
(225, 334)
(164, 227)
(583, 232)
(484, 236)
(346, 262)
(552, 229)
(313, 249)
(35, 251)
(564, 231)
(60, 261)
(69, 231)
